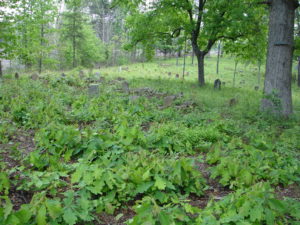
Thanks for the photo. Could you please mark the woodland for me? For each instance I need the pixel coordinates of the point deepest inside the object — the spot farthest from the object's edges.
(149, 112)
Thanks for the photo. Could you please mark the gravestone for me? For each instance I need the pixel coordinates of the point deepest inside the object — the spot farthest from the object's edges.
(217, 84)
(101, 79)
(34, 76)
(232, 102)
(256, 88)
(168, 101)
(17, 76)
(187, 74)
(134, 98)
(177, 75)
(125, 87)
(97, 75)
(93, 90)
(81, 74)
(169, 74)
(63, 75)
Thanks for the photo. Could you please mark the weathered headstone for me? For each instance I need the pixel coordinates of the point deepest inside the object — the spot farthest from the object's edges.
(217, 84)
(187, 74)
(169, 74)
(125, 87)
(177, 75)
(17, 75)
(134, 98)
(97, 75)
(93, 90)
(81, 74)
(101, 79)
(256, 88)
(232, 102)
(168, 100)
(63, 75)
(34, 76)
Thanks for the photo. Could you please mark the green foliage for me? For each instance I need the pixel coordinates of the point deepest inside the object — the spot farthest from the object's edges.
(255, 205)
(87, 156)
(243, 165)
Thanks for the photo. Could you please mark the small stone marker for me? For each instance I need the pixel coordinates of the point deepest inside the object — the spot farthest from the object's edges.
(232, 102)
(134, 98)
(63, 75)
(169, 74)
(187, 74)
(217, 84)
(177, 75)
(101, 79)
(34, 76)
(81, 74)
(125, 87)
(17, 76)
(168, 101)
(256, 88)
(97, 75)
(93, 90)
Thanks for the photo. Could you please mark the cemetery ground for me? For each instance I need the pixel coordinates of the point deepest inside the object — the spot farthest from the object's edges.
(146, 147)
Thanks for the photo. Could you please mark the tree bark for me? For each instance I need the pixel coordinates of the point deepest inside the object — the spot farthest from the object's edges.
(184, 55)
(277, 87)
(200, 59)
(298, 72)
(234, 73)
(1, 74)
(41, 53)
(218, 59)
(193, 55)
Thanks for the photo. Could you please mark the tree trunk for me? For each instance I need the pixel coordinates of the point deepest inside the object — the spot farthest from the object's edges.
(234, 73)
(184, 55)
(193, 56)
(277, 88)
(41, 53)
(1, 74)
(218, 59)
(200, 59)
(298, 72)
(259, 74)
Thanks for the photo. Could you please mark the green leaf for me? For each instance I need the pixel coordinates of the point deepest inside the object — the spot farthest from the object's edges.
(8, 207)
(160, 183)
(41, 216)
(256, 213)
(24, 214)
(142, 188)
(54, 208)
(69, 217)
(164, 218)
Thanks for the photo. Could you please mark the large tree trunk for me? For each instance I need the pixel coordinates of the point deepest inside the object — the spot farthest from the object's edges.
(277, 88)
(1, 74)
(200, 58)
(218, 59)
(298, 71)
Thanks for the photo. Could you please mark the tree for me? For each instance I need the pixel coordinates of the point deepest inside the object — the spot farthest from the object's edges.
(204, 21)
(277, 88)
(7, 28)
(81, 45)
(297, 44)
(73, 25)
